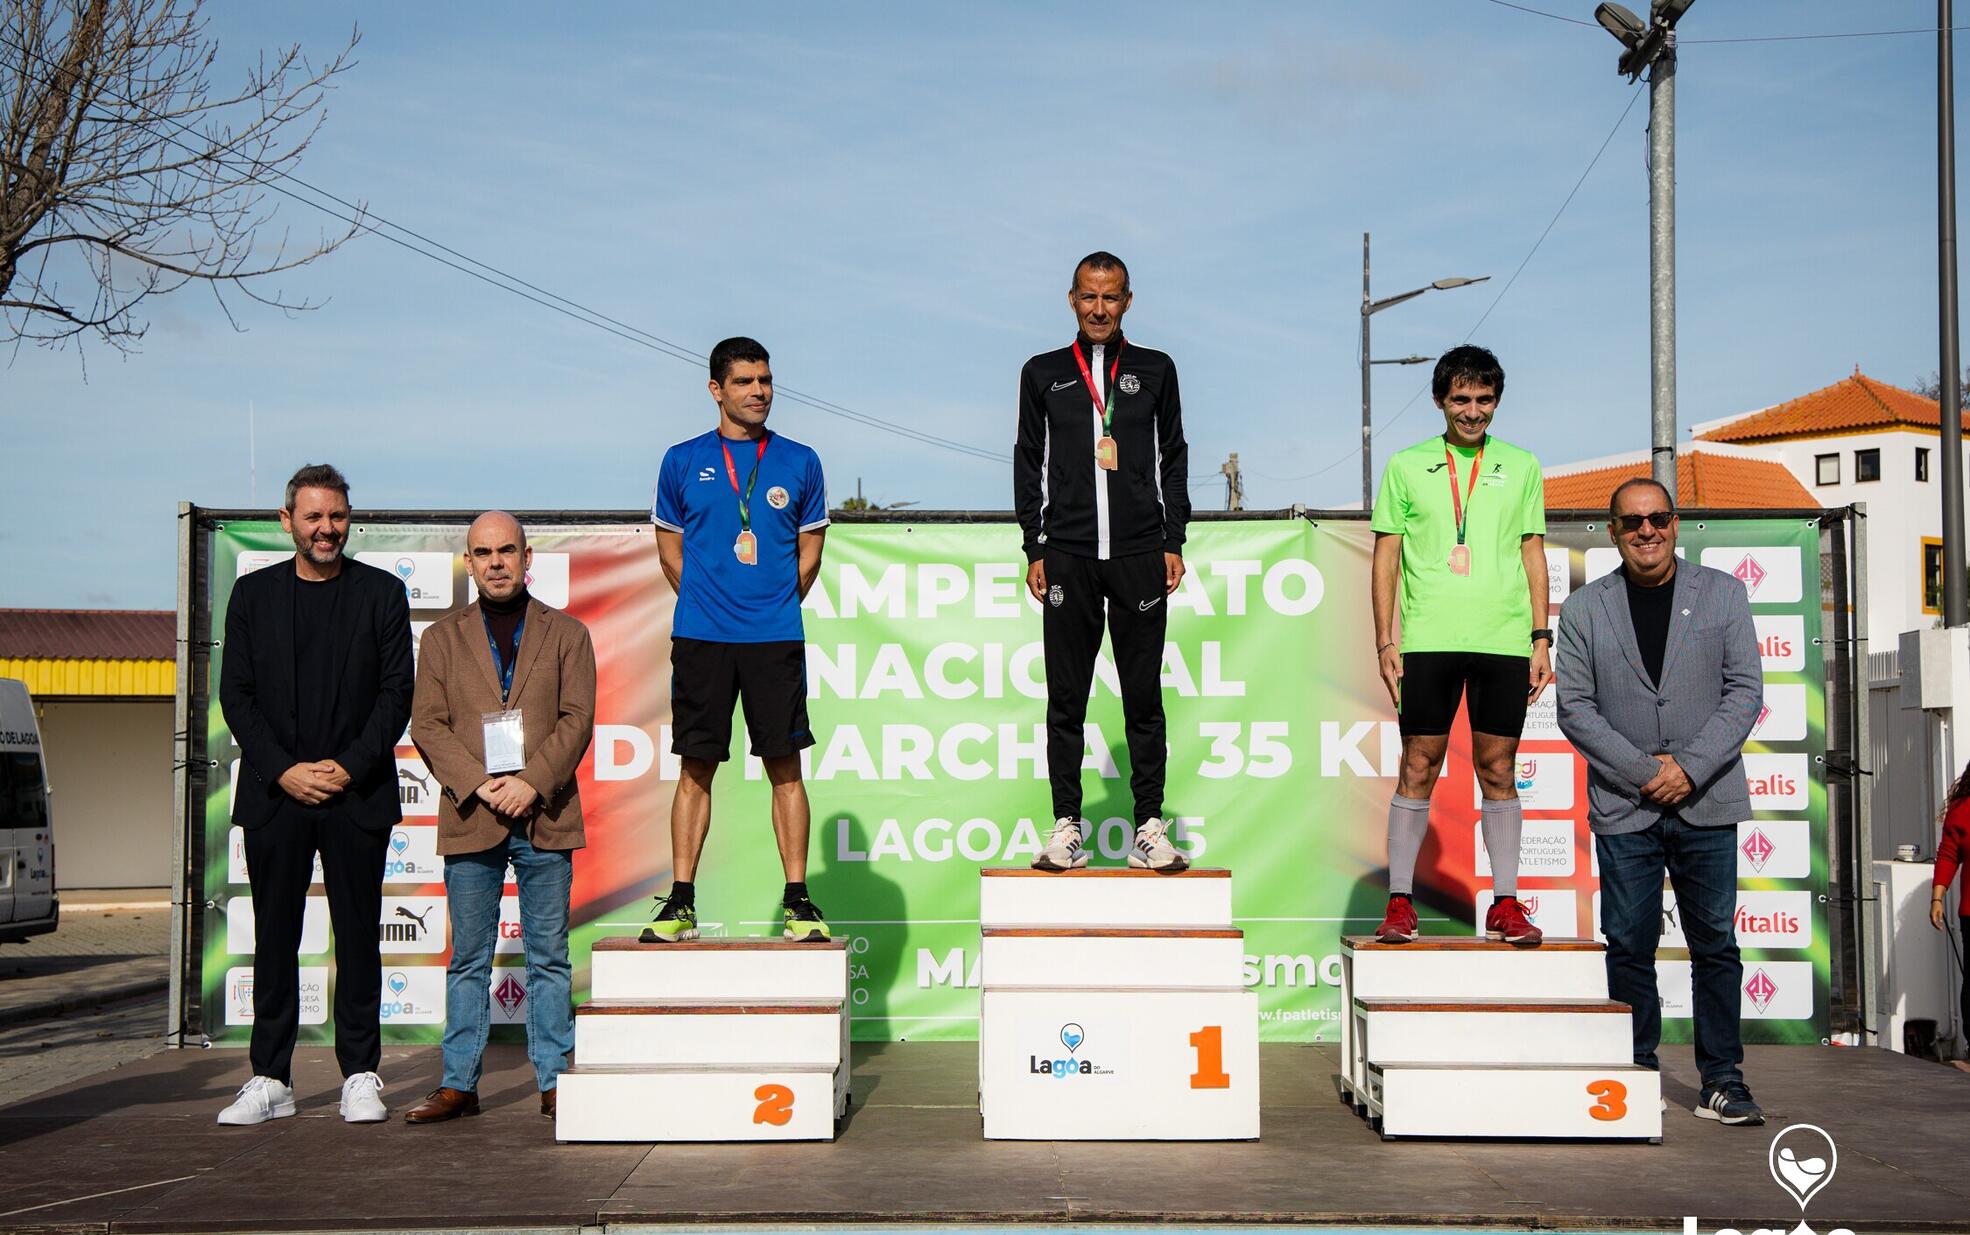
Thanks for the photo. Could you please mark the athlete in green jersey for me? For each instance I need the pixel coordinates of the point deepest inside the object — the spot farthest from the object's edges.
(1460, 528)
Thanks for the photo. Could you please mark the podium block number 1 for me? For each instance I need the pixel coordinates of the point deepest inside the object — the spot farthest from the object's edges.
(1613, 1100)
(1210, 1073)
(775, 1105)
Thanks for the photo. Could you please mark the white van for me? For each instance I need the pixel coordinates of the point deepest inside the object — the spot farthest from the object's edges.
(28, 905)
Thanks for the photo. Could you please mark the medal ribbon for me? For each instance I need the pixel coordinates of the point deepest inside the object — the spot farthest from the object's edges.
(745, 498)
(1450, 469)
(500, 664)
(1107, 413)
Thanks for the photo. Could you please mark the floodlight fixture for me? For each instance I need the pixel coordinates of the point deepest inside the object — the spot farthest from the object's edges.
(1621, 23)
(1646, 42)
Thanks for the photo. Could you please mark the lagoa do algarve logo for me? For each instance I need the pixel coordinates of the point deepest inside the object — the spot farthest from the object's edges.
(1802, 1159)
(1072, 1037)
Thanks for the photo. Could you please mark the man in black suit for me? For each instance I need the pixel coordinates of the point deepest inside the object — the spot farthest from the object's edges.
(315, 681)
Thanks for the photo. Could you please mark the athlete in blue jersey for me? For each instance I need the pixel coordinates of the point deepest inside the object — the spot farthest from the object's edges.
(740, 514)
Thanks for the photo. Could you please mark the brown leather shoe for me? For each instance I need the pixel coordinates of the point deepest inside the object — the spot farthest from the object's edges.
(441, 1104)
(547, 1097)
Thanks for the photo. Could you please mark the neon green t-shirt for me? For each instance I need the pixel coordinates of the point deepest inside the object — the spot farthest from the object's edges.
(1490, 609)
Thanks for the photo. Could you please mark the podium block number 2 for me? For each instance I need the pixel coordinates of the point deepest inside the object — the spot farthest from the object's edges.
(775, 1105)
(1613, 1100)
(1210, 1073)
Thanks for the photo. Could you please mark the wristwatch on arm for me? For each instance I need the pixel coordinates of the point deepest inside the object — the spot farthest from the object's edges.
(1543, 633)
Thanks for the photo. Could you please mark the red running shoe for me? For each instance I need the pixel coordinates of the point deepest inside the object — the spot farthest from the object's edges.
(1506, 920)
(1399, 924)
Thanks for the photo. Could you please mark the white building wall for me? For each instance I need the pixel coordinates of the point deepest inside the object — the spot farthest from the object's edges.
(1900, 512)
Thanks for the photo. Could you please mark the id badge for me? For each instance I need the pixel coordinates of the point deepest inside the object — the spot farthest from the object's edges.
(506, 742)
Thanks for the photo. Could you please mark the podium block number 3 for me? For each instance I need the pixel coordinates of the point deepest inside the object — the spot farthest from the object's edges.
(1613, 1100)
(775, 1105)
(1210, 1073)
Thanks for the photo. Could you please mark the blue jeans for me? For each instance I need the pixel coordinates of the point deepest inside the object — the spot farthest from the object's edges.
(473, 883)
(1702, 867)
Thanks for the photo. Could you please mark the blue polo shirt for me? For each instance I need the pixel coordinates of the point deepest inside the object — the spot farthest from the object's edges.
(720, 598)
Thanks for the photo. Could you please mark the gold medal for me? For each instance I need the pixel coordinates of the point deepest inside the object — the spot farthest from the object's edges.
(1460, 560)
(1104, 453)
(746, 549)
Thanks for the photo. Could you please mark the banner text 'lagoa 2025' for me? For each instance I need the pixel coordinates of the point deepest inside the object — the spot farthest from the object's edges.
(927, 697)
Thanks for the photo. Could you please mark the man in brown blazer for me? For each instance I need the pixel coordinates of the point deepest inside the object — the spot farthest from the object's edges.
(503, 711)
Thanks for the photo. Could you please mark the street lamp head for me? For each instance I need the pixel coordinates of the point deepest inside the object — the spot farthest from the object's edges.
(1444, 285)
(1622, 24)
(1669, 12)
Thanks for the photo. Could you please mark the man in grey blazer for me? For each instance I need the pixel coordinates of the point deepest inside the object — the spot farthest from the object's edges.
(1660, 683)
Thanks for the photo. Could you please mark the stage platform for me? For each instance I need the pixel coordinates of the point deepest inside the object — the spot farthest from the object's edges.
(136, 1149)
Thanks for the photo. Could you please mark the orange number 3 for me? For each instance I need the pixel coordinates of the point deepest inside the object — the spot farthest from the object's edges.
(1210, 1073)
(775, 1105)
(1613, 1103)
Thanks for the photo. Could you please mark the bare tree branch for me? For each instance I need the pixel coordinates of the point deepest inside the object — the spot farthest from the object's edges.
(125, 176)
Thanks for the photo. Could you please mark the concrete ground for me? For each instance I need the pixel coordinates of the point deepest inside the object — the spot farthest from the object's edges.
(109, 947)
(136, 1149)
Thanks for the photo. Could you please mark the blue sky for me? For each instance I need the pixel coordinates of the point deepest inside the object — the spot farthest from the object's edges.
(892, 198)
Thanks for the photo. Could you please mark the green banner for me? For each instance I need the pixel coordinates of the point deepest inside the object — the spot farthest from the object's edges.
(927, 698)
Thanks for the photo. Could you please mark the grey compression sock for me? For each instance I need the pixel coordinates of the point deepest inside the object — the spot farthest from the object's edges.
(1502, 821)
(1409, 823)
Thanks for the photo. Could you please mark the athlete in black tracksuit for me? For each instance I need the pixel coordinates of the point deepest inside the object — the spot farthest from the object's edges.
(1102, 535)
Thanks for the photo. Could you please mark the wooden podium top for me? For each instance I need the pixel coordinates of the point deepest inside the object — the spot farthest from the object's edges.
(1103, 872)
(1467, 943)
(763, 943)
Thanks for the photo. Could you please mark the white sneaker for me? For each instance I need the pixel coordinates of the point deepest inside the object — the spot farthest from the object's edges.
(259, 1100)
(1065, 850)
(1153, 851)
(362, 1101)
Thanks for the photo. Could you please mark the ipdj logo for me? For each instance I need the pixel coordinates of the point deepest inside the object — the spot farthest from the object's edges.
(1802, 1159)
(1528, 773)
(1758, 849)
(1072, 1036)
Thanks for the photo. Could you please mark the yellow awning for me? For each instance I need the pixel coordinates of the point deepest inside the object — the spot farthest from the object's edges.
(94, 677)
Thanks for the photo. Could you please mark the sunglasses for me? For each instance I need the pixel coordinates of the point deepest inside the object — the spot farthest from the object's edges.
(1657, 519)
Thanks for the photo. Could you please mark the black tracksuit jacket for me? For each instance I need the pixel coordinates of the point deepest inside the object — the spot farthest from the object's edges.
(1065, 501)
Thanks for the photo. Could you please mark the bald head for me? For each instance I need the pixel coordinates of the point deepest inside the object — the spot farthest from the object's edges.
(497, 555)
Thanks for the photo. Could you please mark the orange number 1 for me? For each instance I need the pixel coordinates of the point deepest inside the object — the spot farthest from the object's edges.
(1613, 1102)
(1210, 1073)
(775, 1105)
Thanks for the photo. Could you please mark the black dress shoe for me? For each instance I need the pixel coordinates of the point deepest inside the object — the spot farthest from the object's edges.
(547, 1102)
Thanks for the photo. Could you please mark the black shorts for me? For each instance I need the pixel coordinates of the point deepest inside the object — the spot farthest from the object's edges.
(1433, 682)
(707, 678)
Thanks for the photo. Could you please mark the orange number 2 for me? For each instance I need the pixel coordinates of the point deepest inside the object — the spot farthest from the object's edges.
(1210, 1073)
(1613, 1100)
(775, 1105)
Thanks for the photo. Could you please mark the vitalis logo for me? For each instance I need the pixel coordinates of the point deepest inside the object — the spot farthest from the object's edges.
(1072, 1036)
(1802, 1159)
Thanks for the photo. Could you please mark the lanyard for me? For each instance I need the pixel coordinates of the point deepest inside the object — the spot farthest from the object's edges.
(1107, 413)
(500, 664)
(732, 474)
(1450, 470)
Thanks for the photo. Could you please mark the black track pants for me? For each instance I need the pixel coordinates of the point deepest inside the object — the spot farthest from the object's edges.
(1131, 591)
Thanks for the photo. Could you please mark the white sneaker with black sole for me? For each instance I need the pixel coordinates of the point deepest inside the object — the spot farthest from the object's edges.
(1153, 851)
(1065, 850)
(362, 1099)
(259, 1100)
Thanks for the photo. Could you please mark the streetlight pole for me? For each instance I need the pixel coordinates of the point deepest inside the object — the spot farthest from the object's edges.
(1369, 308)
(1662, 267)
(1954, 601)
(1650, 47)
